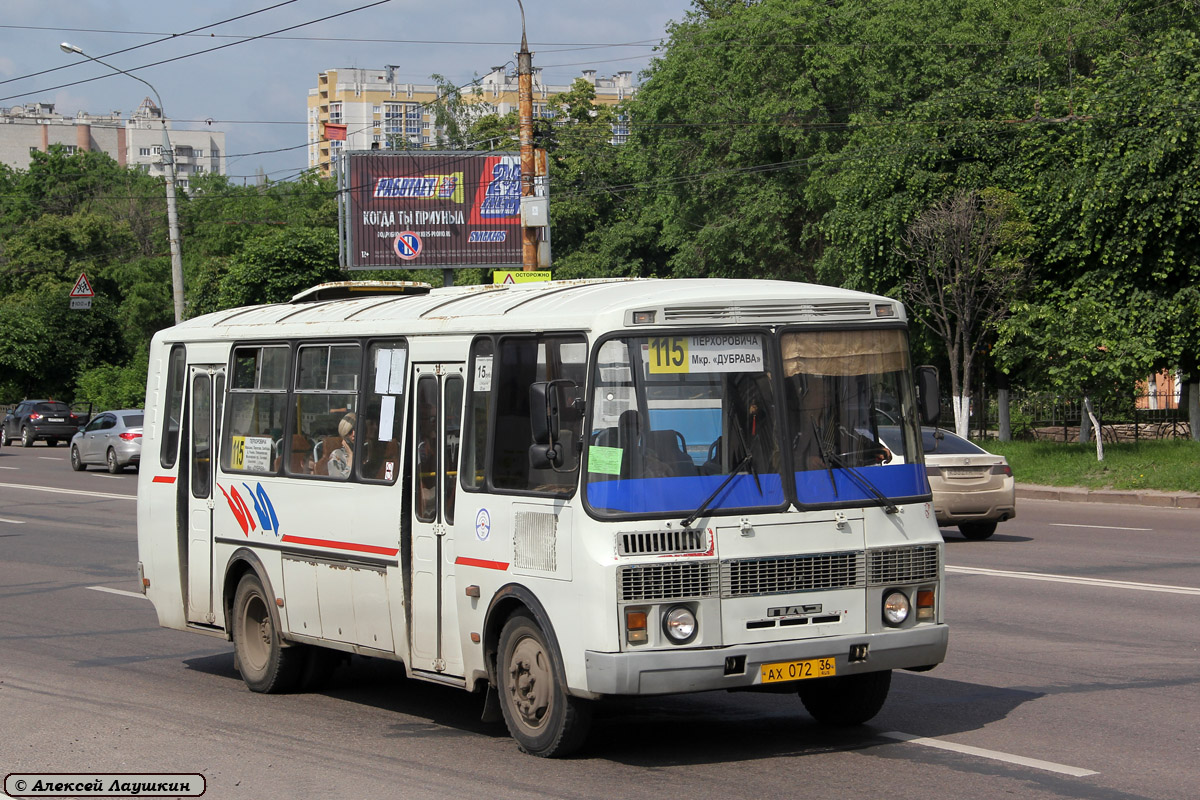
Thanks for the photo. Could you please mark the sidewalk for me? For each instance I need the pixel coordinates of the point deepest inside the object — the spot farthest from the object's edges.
(1070, 494)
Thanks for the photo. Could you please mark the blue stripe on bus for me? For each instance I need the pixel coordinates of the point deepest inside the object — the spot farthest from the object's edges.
(665, 495)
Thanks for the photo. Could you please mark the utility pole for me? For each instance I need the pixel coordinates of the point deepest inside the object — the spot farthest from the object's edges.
(529, 236)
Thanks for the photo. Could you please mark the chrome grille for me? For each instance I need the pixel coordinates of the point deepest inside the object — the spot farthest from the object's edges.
(660, 542)
(903, 564)
(790, 574)
(677, 580)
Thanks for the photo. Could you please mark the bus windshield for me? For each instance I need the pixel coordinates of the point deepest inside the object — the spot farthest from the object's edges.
(675, 417)
(690, 423)
(839, 387)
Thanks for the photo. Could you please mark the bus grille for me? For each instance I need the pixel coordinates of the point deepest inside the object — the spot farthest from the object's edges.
(903, 564)
(678, 580)
(779, 312)
(790, 574)
(659, 542)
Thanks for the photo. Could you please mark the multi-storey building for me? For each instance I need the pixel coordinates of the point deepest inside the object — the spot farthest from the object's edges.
(378, 112)
(135, 142)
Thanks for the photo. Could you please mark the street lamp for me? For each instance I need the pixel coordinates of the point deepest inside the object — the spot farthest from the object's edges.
(169, 163)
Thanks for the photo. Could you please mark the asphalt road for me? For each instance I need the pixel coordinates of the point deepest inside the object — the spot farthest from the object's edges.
(1073, 673)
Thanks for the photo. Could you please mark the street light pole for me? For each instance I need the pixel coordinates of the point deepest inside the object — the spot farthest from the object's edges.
(169, 162)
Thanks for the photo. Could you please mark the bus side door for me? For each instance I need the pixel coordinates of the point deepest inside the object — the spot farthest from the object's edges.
(206, 389)
(437, 415)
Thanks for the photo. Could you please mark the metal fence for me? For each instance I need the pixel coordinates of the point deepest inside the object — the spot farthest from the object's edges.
(1050, 417)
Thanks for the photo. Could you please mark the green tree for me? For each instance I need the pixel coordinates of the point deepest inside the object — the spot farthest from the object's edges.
(280, 263)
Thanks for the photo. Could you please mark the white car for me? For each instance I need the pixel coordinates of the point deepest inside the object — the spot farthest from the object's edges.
(972, 488)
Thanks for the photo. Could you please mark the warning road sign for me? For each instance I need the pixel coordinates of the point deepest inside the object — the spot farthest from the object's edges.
(520, 277)
(82, 287)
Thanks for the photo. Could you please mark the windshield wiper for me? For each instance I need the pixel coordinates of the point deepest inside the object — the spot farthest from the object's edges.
(747, 461)
(862, 480)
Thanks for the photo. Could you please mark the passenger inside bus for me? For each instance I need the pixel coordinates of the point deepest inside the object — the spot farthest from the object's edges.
(341, 460)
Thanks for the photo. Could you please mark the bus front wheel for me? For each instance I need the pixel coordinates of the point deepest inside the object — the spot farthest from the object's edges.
(265, 663)
(540, 715)
(846, 700)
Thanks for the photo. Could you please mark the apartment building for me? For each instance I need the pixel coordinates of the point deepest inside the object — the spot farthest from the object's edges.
(372, 110)
(134, 142)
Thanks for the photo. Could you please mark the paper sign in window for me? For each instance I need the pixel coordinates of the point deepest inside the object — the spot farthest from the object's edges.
(604, 460)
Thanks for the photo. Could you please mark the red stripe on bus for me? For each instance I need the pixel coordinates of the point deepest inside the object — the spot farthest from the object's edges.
(479, 562)
(164, 479)
(358, 548)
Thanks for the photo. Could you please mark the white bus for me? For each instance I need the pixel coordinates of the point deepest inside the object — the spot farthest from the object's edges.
(550, 493)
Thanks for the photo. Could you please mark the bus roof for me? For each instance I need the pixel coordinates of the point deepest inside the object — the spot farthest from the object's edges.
(554, 305)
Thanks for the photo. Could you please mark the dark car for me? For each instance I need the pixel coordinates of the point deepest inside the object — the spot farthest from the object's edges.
(51, 421)
(113, 439)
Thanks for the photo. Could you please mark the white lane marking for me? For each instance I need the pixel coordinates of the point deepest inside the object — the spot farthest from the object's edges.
(1101, 527)
(8, 468)
(50, 458)
(995, 755)
(105, 495)
(138, 595)
(1040, 576)
(13, 521)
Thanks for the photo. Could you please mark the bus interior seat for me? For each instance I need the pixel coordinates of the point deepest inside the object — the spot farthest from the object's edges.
(326, 447)
(669, 447)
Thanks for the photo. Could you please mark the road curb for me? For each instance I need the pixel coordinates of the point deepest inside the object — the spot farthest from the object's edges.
(1074, 494)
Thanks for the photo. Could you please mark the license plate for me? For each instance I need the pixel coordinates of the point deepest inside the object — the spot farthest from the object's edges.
(951, 472)
(57, 419)
(798, 670)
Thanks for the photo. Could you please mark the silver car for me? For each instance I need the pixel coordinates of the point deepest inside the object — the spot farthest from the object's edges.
(972, 488)
(113, 438)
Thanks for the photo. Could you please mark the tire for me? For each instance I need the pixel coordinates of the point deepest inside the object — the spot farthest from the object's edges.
(846, 700)
(540, 715)
(266, 665)
(114, 466)
(977, 531)
(27, 437)
(4, 440)
(77, 462)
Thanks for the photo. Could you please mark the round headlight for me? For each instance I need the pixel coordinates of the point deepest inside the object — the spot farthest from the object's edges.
(680, 624)
(895, 608)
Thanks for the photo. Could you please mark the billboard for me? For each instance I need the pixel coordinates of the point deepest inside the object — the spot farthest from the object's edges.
(429, 210)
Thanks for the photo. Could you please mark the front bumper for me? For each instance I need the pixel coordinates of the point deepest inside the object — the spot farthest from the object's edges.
(697, 670)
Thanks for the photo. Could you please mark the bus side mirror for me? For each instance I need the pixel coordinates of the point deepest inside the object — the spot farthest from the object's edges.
(928, 399)
(543, 411)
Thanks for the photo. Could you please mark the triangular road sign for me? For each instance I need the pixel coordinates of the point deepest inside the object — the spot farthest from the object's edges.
(82, 287)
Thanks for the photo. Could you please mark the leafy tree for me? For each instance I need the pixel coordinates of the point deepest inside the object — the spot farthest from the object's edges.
(278, 264)
(967, 255)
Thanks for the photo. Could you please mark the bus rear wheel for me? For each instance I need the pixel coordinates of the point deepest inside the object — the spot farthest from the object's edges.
(847, 699)
(265, 663)
(540, 715)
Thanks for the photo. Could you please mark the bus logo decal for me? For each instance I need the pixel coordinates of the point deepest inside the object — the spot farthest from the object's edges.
(483, 525)
(264, 508)
(241, 511)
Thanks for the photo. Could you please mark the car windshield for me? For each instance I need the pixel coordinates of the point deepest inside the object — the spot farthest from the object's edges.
(684, 422)
(840, 387)
(132, 420)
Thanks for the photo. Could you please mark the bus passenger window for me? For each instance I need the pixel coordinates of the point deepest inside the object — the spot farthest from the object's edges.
(383, 412)
(326, 419)
(257, 408)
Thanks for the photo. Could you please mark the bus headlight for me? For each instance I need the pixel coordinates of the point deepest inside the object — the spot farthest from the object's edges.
(895, 608)
(679, 624)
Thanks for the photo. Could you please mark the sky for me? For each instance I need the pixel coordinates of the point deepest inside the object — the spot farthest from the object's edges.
(257, 91)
